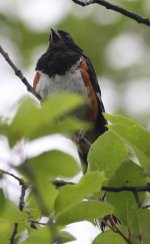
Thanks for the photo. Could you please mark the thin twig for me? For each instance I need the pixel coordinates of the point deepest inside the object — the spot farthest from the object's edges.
(126, 188)
(19, 73)
(12, 238)
(138, 201)
(122, 235)
(116, 8)
(21, 182)
(23, 187)
(22, 196)
(39, 223)
(59, 183)
(134, 189)
(21, 201)
(115, 229)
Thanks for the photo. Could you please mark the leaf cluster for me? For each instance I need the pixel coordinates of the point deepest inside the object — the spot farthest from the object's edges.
(118, 158)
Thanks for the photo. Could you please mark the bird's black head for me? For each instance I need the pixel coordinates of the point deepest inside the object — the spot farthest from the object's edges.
(61, 54)
(62, 38)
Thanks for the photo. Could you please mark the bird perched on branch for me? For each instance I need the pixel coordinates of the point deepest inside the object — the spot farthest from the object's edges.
(65, 67)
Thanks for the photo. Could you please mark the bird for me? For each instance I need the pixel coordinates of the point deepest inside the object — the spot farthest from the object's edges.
(65, 68)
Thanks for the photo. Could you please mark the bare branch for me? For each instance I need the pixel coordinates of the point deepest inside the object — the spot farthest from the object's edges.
(116, 8)
(21, 201)
(59, 183)
(115, 229)
(21, 182)
(22, 196)
(126, 188)
(12, 238)
(39, 223)
(138, 201)
(135, 190)
(19, 73)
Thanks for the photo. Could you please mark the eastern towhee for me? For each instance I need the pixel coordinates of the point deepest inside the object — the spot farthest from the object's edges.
(65, 67)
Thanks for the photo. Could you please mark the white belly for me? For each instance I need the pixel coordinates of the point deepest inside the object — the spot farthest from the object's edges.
(70, 82)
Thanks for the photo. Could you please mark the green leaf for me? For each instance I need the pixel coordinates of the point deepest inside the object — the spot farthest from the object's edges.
(133, 134)
(41, 235)
(33, 206)
(138, 138)
(46, 196)
(128, 174)
(86, 210)
(31, 119)
(54, 164)
(4, 128)
(138, 224)
(2, 201)
(41, 170)
(65, 126)
(108, 237)
(107, 153)
(70, 195)
(12, 215)
(6, 229)
(119, 119)
(65, 237)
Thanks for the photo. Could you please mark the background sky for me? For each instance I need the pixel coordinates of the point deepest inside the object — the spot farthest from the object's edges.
(117, 46)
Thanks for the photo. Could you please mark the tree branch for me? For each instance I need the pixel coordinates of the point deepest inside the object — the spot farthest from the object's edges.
(22, 196)
(21, 201)
(115, 229)
(138, 201)
(21, 182)
(132, 15)
(12, 238)
(134, 189)
(19, 73)
(126, 188)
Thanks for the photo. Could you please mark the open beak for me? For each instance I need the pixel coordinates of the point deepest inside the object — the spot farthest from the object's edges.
(55, 36)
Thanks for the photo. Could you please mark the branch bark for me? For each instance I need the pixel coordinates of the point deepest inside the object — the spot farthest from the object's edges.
(19, 73)
(12, 238)
(116, 8)
(126, 188)
(21, 201)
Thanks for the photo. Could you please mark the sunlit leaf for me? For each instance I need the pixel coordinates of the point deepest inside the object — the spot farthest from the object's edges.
(54, 164)
(139, 140)
(70, 195)
(2, 201)
(128, 174)
(6, 229)
(12, 215)
(33, 206)
(31, 119)
(119, 119)
(139, 226)
(86, 210)
(107, 153)
(65, 237)
(42, 235)
(109, 237)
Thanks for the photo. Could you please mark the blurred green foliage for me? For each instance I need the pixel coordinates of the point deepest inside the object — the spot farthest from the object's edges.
(112, 162)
